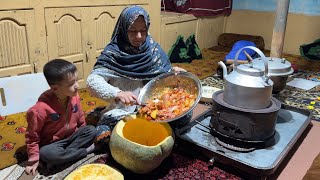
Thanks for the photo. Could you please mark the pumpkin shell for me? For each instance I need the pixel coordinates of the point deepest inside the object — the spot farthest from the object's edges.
(139, 158)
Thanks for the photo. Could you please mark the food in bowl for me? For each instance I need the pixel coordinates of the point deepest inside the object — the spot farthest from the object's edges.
(155, 88)
(170, 103)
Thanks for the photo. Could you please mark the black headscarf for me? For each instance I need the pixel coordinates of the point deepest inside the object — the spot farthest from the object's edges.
(119, 56)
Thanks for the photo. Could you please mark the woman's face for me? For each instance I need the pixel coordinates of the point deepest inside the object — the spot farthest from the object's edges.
(137, 33)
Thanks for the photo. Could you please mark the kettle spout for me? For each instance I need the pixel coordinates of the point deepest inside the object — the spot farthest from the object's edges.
(224, 69)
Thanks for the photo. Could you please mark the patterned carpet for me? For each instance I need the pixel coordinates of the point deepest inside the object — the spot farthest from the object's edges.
(178, 165)
(13, 127)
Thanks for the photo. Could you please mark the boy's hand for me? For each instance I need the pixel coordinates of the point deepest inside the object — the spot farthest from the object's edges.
(31, 167)
(127, 97)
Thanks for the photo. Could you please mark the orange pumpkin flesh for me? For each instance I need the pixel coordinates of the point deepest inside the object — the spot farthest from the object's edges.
(145, 132)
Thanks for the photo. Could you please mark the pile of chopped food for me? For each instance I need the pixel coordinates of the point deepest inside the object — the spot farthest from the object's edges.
(170, 103)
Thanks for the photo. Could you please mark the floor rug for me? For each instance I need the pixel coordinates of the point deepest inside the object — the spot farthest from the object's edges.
(179, 165)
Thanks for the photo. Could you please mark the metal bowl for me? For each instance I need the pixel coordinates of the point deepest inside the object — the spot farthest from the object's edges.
(183, 80)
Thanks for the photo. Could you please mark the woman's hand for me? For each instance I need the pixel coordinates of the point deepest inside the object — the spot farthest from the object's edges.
(31, 167)
(127, 97)
(177, 69)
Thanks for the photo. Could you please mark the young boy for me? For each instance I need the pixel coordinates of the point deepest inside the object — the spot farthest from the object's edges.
(57, 131)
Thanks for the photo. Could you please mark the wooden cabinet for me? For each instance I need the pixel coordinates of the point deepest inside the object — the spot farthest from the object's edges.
(67, 33)
(102, 21)
(33, 33)
(17, 47)
(79, 34)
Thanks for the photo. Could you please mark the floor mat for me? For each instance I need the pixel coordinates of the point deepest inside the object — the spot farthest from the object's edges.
(206, 66)
(57, 173)
(177, 166)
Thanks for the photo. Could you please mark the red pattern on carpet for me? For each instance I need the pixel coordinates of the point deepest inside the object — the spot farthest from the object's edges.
(176, 166)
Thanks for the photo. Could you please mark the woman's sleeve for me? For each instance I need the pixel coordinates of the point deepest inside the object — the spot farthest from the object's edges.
(100, 88)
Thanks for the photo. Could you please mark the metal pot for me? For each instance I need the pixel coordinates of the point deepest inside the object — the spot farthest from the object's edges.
(279, 70)
(184, 80)
(245, 81)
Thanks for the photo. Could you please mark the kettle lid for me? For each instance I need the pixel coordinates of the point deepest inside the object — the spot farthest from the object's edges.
(276, 66)
(250, 69)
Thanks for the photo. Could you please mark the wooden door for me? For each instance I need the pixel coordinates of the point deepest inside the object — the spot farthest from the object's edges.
(17, 43)
(67, 32)
(102, 22)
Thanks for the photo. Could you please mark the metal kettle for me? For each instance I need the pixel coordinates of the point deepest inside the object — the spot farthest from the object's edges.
(247, 86)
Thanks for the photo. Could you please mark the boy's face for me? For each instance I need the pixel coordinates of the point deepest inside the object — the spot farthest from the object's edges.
(67, 87)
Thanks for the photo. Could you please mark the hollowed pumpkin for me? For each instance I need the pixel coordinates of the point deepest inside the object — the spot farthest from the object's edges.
(140, 145)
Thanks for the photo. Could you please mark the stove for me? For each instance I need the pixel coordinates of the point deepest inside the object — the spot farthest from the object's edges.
(264, 160)
(249, 127)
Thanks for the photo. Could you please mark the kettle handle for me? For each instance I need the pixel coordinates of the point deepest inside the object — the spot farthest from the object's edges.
(265, 61)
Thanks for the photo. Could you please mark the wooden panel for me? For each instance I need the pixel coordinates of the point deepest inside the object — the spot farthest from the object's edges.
(102, 22)
(68, 31)
(16, 42)
(24, 4)
(16, 4)
(79, 65)
(65, 36)
(154, 10)
(104, 25)
(206, 29)
(13, 40)
(170, 32)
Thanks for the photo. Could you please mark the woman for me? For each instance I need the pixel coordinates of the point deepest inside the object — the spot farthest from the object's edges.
(125, 65)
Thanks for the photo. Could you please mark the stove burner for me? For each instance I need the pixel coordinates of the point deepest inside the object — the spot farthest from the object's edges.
(241, 145)
(232, 147)
(245, 125)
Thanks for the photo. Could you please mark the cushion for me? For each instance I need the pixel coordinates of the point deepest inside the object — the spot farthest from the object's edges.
(228, 39)
(237, 46)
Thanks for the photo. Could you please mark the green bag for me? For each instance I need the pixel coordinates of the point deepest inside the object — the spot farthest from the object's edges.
(179, 52)
(193, 49)
(311, 51)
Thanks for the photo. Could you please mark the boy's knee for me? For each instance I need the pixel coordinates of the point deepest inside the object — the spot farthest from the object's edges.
(47, 153)
(90, 131)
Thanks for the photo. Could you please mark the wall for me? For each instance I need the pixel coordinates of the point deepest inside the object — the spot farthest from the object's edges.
(257, 18)
(206, 30)
(154, 13)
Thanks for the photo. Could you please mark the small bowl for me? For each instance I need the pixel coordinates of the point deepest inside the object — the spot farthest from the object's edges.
(207, 92)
